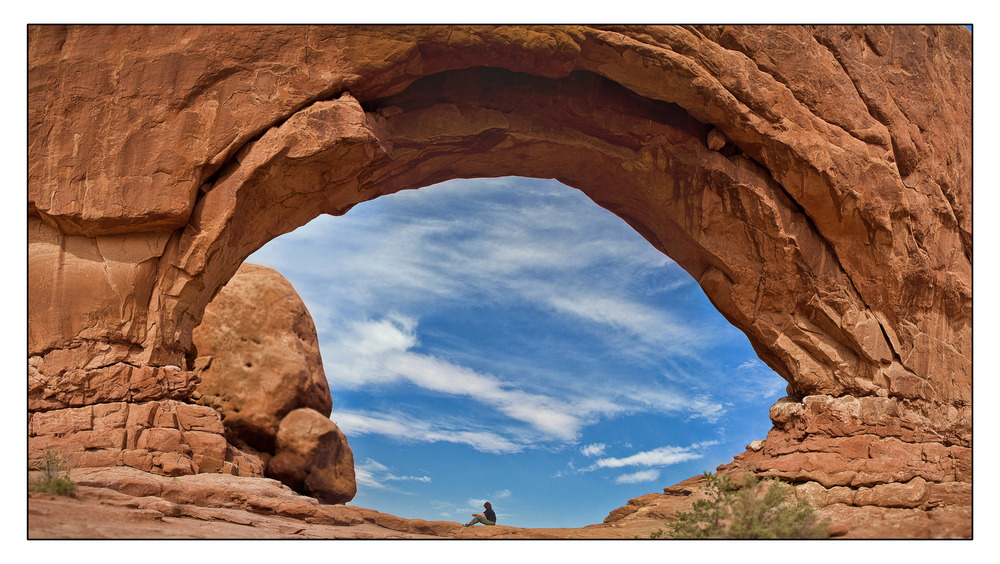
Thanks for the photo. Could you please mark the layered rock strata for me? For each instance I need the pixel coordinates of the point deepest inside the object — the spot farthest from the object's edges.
(848, 512)
(164, 437)
(815, 180)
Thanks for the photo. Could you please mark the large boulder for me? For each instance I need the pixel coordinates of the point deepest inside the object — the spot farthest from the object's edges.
(258, 357)
(312, 457)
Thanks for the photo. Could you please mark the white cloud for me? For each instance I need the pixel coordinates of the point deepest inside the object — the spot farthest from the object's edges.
(408, 429)
(502, 494)
(385, 336)
(662, 456)
(594, 449)
(377, 352)
(704, 444)
(755, 381)
(373, 474)
(703, 407)
(364, 474)
(393, 478)
(616, 312)
(638, 477)
(661, 400)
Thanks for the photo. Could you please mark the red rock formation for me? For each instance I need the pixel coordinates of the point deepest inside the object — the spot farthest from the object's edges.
(165, 437)
(891, 510)
(258, 357)
(828, 217)
(127, 503)
(312, 456)
(259, 363)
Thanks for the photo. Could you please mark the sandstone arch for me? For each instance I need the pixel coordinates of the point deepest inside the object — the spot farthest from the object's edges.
(816, 181)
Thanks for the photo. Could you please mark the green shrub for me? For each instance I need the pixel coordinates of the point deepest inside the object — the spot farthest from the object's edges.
(749, 509)
(54, 478)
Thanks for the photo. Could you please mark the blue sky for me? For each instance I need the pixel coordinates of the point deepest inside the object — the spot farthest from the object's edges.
(509, 340)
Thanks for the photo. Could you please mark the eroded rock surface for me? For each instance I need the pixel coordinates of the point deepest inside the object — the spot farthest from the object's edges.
(815, 181)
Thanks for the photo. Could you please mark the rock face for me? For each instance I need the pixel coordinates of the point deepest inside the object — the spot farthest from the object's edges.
(894, 510)
(260, 367)
(258, 357)
(164, 437)
(815, 180)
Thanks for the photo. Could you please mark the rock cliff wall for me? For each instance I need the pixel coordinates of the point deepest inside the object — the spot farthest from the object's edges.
(815, 180)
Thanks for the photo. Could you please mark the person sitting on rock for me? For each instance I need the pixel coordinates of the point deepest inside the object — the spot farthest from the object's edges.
(486, 517)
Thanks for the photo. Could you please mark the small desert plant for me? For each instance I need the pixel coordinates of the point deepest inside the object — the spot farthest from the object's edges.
(54, 477)
(749, 509)
(658, 533)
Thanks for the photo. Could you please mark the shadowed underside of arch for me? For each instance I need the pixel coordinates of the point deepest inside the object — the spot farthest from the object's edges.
(816, 181)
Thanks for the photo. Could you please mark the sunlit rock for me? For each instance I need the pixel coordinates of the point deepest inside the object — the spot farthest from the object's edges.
(832, 226)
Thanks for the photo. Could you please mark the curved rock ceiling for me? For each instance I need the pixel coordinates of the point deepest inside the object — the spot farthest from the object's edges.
(815, 180)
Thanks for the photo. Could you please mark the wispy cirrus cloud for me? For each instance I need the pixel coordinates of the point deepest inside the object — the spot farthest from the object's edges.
(662, 399)
(406, 428)
(380, 353)
(539, 254)
(756, 380)
(501, 494)
(375, 475)
(650, 462)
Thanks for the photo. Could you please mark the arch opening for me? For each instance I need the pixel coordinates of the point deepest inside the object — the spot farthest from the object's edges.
(717, 212)
(509, 338)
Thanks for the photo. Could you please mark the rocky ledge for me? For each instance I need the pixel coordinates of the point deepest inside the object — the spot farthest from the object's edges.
(126, 503)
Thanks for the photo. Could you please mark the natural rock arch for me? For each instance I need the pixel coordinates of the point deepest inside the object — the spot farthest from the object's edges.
(816, 181)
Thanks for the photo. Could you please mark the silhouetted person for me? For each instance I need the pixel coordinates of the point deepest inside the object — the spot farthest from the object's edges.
(486, 517)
